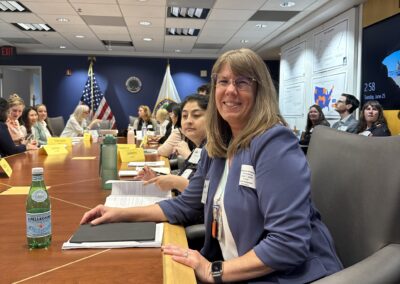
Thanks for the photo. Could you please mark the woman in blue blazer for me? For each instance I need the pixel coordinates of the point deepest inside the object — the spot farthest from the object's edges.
(252, 186)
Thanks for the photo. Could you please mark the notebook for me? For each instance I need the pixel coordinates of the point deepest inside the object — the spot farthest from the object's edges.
(115, 232)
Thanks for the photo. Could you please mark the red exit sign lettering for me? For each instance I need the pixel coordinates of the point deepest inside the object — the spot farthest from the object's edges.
(8, 51)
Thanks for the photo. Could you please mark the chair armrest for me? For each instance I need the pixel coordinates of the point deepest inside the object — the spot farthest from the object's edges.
(195, 231)
(381, 267)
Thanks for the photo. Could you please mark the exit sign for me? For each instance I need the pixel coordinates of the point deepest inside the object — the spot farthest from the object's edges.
(8, 51)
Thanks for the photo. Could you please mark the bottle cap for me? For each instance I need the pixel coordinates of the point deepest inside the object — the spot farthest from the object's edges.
(37, 171)
(109, 139)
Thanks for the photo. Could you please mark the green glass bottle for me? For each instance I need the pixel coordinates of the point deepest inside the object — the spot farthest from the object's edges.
(38, 212)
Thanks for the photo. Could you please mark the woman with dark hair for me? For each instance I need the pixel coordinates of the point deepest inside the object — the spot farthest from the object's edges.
(7, 145)
(372, 121)
(193, 126)
(30, 126)
(315, 117)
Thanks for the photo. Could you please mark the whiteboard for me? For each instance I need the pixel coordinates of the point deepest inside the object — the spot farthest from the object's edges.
(293, 62)
(330, 47)
(293, 98)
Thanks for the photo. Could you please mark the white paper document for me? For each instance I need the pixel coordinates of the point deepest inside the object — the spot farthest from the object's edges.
(126, 173)
(129, 244)
(149, 164)
(134, 193)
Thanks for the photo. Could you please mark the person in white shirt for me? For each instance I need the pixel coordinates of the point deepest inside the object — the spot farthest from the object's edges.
(345, 107)
(77, 123)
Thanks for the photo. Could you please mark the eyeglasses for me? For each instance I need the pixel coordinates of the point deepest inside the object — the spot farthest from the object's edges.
(241, 83)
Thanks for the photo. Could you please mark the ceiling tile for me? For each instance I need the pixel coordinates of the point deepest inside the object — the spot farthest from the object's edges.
(230, 15)
(21, 18)
(140, 11)
(109, 10)
(239, 4)
(184, 23)
(274, 5)
(142, 3)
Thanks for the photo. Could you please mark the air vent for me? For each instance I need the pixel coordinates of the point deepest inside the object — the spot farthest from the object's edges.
(109, 44)
(34, 27)
(182, 31)
(183, 12)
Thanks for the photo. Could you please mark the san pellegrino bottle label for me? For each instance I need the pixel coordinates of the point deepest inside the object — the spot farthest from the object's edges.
(38, 224)
(39, 195)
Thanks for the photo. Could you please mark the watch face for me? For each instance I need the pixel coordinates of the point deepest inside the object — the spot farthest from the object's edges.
(216, 267)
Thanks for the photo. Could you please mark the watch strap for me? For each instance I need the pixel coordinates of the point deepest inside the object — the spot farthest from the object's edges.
(216, 271)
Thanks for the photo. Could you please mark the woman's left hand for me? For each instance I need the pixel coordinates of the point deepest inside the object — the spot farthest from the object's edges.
(193, 259)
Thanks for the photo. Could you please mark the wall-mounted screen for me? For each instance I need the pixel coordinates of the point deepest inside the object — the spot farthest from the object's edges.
(381, 63)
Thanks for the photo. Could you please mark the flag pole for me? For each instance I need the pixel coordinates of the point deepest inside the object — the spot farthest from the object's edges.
(92, 59)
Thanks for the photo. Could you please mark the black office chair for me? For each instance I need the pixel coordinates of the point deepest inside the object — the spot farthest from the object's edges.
(355, 183)
(56, 125)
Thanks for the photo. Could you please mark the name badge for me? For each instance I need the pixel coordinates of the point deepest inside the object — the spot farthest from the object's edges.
(195, 157)
(247, 176)
(205, 192)
(186, 173)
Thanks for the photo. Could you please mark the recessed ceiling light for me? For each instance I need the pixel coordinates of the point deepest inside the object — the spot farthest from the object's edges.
(80, 36)
(261, 26)
(62, 20)
(287, 4)
(62, 46)
(147, 39)
(144, 23)
(177, 50)
(142, 0)
(244, 41)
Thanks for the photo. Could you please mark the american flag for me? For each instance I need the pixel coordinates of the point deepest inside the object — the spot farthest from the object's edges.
(100, 108)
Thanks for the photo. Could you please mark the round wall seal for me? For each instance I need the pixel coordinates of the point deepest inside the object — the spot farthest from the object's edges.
(133, 84)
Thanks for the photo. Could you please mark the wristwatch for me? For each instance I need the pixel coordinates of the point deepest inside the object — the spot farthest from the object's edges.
(216, 271)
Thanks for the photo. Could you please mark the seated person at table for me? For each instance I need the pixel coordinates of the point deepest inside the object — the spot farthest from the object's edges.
(253, 186)
(42, 120)
(372, 121)
(144, 118)
(164, 125)
(30, 126)
(345, 106)
(17, 105)
(77, 123)
(315, 117)
(7, 145)
(168, 148)
(193, 125)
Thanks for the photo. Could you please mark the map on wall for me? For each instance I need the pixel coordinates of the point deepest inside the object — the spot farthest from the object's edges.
(326, 92)
(293, 62)
(291, 101)
(330, 47)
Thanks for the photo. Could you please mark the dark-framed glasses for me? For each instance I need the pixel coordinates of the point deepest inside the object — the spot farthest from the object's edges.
(241, 83)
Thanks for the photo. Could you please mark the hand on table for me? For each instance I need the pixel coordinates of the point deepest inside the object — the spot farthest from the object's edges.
(191, 258)
(102, 214)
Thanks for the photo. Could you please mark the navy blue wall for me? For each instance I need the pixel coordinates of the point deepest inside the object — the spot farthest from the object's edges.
(62, 93)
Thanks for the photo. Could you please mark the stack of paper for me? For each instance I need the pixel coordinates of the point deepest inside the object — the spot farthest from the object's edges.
(134, 193)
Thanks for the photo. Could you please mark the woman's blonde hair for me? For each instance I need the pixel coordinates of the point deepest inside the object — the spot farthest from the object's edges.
(162, 114)
(15, 100)
(264, 115)
(78, 112)
(147, 112)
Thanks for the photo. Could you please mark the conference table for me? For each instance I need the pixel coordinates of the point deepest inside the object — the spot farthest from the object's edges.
(75, 187)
